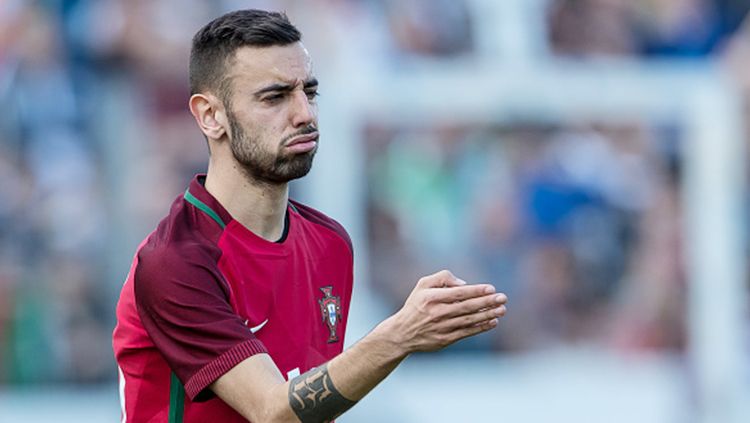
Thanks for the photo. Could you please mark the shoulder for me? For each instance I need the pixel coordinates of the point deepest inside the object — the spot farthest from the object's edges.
(319, 218)
(182, 236)
(181, 248)
(176, 256)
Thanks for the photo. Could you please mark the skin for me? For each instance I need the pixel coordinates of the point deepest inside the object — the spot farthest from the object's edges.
(441, 309)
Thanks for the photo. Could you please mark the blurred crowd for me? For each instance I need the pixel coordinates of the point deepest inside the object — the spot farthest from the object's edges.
(578, 222)
(580, 225)
(645, 28)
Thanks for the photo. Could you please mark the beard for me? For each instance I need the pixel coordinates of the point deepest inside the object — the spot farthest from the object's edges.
(267, 166)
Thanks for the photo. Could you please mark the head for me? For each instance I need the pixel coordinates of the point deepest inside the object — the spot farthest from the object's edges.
(253, 95)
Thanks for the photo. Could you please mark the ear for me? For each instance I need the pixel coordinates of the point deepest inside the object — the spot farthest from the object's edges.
(210, 115)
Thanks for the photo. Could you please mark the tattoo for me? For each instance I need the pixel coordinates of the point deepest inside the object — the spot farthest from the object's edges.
(315, 399)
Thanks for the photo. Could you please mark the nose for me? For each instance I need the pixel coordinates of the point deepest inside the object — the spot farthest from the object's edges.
(303, 111)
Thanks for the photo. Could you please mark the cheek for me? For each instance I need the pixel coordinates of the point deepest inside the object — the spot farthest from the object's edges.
(268, 135)
(269, 126)
(258, 127)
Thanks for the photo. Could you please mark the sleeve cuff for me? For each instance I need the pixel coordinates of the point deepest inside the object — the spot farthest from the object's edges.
(213, 370)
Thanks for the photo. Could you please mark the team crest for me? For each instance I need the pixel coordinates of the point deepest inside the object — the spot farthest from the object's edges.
(330, 308)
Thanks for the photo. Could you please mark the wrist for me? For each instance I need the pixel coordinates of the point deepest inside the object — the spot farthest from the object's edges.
(388, 336)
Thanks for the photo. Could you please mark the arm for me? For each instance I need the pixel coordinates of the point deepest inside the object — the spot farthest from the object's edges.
(440, 311)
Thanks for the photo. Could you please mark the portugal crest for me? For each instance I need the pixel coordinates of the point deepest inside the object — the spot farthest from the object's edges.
(330, 308)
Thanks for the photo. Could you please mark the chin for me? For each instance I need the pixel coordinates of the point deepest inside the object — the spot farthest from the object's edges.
(292, 171)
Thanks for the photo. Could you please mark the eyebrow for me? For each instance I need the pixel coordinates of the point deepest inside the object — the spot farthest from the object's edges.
(310, 83)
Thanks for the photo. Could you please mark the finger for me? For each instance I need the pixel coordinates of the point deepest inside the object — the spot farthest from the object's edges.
(455, 282)
(461, 293)
(485, 322)
(473, 305)
(440, 279)
(466, 332)
(473, 319)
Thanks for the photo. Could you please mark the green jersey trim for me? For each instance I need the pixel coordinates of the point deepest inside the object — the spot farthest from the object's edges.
(176, 399)
(190, 198)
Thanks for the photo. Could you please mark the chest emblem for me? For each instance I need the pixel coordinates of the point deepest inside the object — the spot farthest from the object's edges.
(330, 308)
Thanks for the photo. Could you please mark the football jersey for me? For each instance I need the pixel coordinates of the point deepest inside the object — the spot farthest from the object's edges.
(204, 293)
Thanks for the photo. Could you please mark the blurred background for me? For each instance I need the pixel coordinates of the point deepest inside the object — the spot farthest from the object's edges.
(587, 157)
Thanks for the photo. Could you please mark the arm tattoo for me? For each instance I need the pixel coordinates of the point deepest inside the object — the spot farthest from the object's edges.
(315, 399)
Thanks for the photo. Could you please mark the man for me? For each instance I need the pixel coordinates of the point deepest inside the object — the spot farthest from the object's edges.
(235, 307)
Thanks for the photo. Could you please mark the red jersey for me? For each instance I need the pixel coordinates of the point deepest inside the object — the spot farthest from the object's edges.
(205, 293)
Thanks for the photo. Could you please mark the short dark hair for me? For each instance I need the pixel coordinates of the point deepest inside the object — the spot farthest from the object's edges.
(214, 45)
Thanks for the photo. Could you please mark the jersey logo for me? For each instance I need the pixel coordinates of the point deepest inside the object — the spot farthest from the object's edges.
(330, 308)
(257, 328)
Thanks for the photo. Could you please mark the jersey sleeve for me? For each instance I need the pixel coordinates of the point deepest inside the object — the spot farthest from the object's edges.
(183, 302)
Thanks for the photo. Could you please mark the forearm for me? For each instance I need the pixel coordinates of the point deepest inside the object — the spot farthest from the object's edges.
(256, 389)
(360, 368)
(327, 391)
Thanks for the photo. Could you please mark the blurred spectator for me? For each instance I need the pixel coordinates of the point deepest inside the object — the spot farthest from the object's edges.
(663, 28)
(429, 27)
(582, 28)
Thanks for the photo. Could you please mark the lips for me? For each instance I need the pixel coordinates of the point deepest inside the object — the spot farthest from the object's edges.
(303, 143)
(301, 139)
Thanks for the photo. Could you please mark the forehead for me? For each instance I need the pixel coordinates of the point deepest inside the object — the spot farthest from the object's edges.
(254, 67)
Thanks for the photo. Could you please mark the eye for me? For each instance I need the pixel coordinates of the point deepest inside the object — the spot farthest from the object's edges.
(311, 94)
(275, 98)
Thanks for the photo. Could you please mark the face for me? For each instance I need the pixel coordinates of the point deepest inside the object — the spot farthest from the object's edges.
(272, 112)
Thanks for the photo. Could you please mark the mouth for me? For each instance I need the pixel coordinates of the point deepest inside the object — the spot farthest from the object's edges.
(303, 143)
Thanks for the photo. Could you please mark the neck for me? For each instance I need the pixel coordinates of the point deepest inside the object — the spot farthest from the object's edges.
(260, 207)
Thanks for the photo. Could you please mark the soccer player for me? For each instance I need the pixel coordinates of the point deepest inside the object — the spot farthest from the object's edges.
(235, 307)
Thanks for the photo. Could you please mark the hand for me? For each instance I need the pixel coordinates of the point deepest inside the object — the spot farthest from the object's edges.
(442, 310)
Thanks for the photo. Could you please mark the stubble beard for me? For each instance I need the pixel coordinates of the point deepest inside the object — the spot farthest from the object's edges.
(267, 167)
